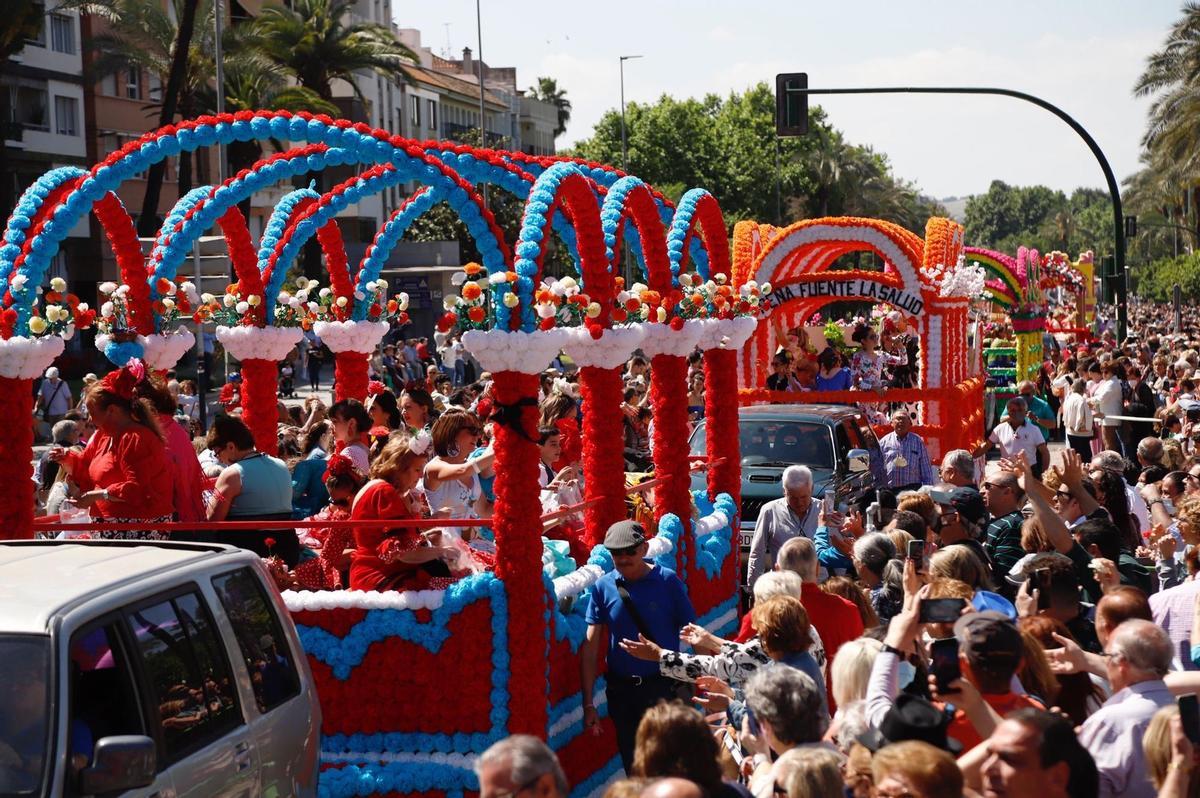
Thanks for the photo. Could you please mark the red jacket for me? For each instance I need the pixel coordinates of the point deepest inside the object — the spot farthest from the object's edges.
(368, 568)
(133, 467)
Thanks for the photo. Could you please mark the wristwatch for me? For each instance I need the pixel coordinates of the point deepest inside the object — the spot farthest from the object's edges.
(893, 650)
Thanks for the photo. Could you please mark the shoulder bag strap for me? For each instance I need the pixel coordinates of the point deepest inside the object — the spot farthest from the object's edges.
(627, 600)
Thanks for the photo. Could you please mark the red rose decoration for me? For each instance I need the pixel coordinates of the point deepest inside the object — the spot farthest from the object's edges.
(677, 323)
(596, 331)
(547, 324)
(447, 321)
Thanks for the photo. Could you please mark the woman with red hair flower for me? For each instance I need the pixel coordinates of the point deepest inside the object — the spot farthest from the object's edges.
(399, 558)
(324, 572)
(123, 471)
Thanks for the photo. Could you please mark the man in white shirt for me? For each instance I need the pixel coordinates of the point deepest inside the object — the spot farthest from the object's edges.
(780, 520)
(1078, 420)
(1014, 435)
(1108, 401)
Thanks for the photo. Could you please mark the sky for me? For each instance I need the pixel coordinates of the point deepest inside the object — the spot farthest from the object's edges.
(1082, 56)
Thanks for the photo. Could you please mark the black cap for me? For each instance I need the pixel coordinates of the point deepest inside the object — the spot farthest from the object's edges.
(912, 718)
(624, 535)
(969, 503)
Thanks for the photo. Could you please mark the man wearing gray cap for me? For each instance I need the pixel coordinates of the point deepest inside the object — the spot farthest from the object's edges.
(636, 598)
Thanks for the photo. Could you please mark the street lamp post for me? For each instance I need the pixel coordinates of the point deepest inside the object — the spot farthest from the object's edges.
(624, 144)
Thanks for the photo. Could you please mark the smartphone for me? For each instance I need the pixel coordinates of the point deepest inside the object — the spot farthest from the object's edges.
(1041, 580)
(1189, 715)
(752, 722)
(827, 500)
(943, 610)
(945, 662)
(916, 552)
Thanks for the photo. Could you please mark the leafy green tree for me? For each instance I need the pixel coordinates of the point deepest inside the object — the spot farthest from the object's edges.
(312, 40)
(143, 35)
(728, 146)
(547, 90)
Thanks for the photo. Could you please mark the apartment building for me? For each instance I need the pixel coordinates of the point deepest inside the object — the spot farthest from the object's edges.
(46, 124)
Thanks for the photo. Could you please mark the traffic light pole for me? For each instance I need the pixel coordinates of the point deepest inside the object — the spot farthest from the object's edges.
(1113, 189)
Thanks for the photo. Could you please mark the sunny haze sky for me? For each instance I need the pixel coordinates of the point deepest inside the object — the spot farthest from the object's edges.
(1081, 56)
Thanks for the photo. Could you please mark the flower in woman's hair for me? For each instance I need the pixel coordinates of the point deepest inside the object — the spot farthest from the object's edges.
(375, 387)
(420, 443)
(270, 542)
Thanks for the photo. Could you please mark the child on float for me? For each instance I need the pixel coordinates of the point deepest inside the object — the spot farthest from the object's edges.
(326, 551)
(560, 489)
(867, 365)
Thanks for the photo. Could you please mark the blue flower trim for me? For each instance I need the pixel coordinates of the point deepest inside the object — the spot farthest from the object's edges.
(390, 234)
(611, 213)
(681, 225)
(726, 608)
(713, 548)
(366, 779)
(671, 527)
(278, 221)
(530, 245)
(354, 147)
(176, 215)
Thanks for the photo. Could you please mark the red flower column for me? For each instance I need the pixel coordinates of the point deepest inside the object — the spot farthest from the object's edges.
(603, 450)
(260, 403)
(668, 400)
(721, 423)
(16, 467)
(350, 376)
(516, 521)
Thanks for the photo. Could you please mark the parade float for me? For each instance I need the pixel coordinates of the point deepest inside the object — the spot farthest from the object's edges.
(923, 280)
(414, 684)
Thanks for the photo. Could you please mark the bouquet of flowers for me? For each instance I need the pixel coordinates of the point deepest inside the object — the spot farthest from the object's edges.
(327, 307)
(55, 312)
(238, 308)
(960, 279)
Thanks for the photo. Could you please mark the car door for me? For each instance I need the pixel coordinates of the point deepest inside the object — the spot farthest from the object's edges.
(102, 699)
(284, 717)
(196, 713)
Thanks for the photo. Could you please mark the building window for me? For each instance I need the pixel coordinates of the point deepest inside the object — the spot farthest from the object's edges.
(415, 119)
(66, 116)
(39, 39)
(62, 34)
(432, 115)
(29, 107)
(133, 84)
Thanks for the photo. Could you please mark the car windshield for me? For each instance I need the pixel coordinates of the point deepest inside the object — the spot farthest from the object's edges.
(25, 717)
(770, 443)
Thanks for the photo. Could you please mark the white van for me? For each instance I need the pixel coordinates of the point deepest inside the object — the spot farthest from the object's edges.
(163, 670)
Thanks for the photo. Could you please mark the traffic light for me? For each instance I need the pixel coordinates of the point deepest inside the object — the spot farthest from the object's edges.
(791, 104)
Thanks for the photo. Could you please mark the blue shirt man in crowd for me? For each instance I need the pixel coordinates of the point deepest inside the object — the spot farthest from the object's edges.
(637, 597)
(905, 458)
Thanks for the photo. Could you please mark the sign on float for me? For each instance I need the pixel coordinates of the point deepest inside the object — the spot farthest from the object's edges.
(848, 289)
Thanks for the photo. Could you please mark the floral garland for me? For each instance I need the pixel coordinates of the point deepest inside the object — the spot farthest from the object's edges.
(961, 279)
(1058, 271)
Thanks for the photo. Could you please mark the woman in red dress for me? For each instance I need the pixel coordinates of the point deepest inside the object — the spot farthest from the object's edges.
(400, 558)
(124, 470)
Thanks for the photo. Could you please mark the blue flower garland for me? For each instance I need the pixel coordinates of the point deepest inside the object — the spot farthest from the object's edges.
(366, 779)
(681, 224)
(390, 234)
(26, 209)
(357, 146)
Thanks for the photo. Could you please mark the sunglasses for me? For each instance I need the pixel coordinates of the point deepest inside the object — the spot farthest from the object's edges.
(627, 552)
(1063, 495)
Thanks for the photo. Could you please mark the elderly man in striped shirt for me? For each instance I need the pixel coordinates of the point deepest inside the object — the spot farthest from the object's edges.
(1003, 496)
(905, 458)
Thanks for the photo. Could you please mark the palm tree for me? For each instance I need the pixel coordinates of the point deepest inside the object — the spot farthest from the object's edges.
(312, 40)
(25, 19)
(142, 35)
(547, 90)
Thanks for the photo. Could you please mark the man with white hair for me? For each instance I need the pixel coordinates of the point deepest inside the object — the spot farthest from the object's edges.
(520, 764)
(794, 514)
(1137, 656)
(905, 457)
(54, 398)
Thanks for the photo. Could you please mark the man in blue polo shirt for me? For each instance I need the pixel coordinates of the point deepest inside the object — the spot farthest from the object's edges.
(637, 597)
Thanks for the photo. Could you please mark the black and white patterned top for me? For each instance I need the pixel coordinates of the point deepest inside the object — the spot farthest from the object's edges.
(733, 664)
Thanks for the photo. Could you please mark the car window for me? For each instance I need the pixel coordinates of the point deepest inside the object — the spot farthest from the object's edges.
(842, 432)
(260, 638)
(25, 675)
(187, 673)
(102, 692)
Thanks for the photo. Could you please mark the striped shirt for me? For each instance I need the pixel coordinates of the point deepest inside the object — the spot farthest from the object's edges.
(1003, 543)
(906, 460)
